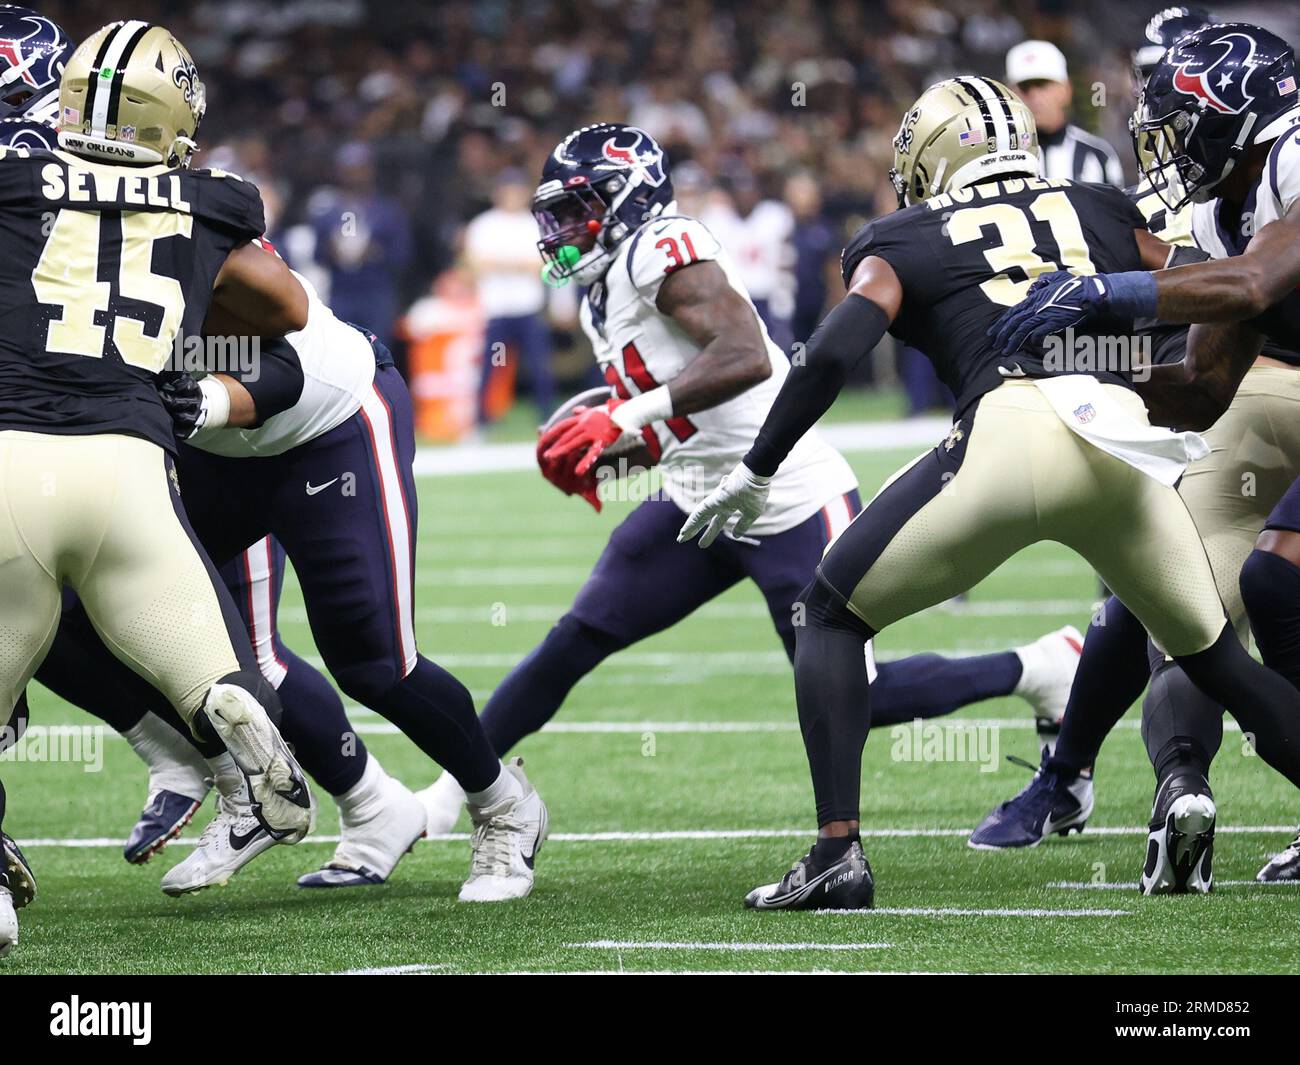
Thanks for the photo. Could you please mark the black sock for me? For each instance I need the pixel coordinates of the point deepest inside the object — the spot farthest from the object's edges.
(1266, 704)
(535, 689)
(436, 713)
(830, 849)
(1182, 727)
(830, 680)
(1112, 672)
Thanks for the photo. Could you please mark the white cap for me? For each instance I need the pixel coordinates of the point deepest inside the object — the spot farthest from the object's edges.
(1035, 61)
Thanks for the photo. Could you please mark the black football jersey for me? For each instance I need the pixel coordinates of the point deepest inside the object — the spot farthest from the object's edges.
(963, 258)
(105, 269)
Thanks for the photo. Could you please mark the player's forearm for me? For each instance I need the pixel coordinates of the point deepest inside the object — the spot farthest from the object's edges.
(849, 332)
(722, 371)
(1235, 289)
(1221, 290)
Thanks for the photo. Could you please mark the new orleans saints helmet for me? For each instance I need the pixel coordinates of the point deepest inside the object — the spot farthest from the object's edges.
(131, 94)
(961, 131)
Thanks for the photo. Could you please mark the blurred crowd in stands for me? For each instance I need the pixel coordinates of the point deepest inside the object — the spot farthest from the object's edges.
(397, 143)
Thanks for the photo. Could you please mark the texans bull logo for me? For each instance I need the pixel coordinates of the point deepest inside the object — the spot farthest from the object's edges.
(1221, 84)
(26, 62)
(639, 153)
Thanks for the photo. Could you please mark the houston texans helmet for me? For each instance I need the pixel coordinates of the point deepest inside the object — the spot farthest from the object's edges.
(17, 132)
(599, 185)
(1215, 93)
(32, 54)
(1165, 29)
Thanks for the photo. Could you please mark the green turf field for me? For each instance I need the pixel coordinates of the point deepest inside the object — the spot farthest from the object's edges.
(676, 782)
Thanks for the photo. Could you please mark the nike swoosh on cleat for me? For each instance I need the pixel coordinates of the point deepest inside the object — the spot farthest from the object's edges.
(312, 489)
(238, 842)
(804, 891)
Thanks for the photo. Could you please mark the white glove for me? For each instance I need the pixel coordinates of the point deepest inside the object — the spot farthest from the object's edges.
(742, 496)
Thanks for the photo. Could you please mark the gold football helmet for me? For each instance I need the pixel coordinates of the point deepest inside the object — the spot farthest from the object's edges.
(131, 94)
(961, 131)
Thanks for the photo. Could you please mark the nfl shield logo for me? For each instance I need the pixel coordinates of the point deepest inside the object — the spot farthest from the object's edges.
(1085, 414)
(128, 133)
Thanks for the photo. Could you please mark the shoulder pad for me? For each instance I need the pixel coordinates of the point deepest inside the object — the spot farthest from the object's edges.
(227, 200)
(664, 245)
(1282, 173)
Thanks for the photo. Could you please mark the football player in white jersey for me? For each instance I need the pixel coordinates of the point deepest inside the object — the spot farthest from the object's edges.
(692, 374)
(1217, 130)
(332, 483)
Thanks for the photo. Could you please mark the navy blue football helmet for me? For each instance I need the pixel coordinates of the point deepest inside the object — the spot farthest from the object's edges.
(18, 132)
(1216, 92)
(32, 54)
(599, 185)
(1164, 30)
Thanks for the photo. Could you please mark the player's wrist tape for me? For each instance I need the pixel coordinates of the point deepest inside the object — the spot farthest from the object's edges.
(1131, 294)
(216, 404)
(639, 411)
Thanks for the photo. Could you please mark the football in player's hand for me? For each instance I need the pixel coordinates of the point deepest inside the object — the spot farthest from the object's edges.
(628, 454)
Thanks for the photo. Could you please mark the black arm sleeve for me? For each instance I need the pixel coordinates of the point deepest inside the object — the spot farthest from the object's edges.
(848, 333)
(275, 380)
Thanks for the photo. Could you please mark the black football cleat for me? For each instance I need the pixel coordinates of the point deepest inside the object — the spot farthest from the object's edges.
(1283, 866)
(844, 884)
(21, 879)
(1180, 847)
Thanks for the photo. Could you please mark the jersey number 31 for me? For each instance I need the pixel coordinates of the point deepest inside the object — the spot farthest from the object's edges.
(1015, 250)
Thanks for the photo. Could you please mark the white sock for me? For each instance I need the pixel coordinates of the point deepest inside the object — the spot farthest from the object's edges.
(226, 775)
(360, 802)
(506, 786)
(173, 764)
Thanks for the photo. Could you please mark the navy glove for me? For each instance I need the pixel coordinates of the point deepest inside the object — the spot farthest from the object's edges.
(1053, 303)
(182, 397)
(1060, 300)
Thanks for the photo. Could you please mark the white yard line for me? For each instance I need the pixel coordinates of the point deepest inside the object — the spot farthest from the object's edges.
(961, 911)
(387, 970)
(1132, 885)
(460, 459)
(660, 944)
(676, 835)
(488, 614)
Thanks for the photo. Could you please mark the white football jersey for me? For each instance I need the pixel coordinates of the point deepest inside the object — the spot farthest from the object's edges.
(338, 369)
(1272, 197)
(639, 348)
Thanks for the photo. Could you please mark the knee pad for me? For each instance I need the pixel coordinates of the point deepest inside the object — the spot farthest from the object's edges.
(367, 682)
(825, 608)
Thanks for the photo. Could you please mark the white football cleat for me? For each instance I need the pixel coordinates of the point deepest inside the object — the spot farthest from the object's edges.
(280, 797)
(507, 837)
(1047, 673)
(380, 820)
(8, 923)
(232, 839)
(443, 801)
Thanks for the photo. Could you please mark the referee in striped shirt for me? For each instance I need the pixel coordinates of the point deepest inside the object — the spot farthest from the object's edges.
(1037, 72)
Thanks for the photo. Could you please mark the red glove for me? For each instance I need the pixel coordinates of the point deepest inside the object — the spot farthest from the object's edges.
(560, 471)
(588, 430)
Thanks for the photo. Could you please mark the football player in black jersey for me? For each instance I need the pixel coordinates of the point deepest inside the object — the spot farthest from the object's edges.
(113, 250)
(1047, 445)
